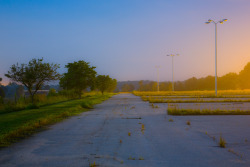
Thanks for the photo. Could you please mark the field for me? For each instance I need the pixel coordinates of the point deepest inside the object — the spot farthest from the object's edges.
(16, 125)
(228, 102)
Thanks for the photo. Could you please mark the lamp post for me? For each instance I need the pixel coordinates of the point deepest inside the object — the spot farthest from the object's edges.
(172, 55)
(215, 23)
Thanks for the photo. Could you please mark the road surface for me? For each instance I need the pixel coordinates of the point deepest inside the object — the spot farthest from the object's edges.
(125, 131)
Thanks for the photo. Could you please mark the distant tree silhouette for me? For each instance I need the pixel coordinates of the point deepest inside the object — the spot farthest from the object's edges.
(128, 87)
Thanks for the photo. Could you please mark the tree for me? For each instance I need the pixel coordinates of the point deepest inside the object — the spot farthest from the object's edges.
(33, 75)
(105, 83)
(140, 85)
(244, 77)
(228, 81)
(112, 85)
(80, 76)
(128, 87)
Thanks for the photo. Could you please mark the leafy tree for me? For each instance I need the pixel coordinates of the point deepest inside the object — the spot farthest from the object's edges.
(112, 85)
(33, 75)
(52, 92)
(140, 85)
(80, 76)
(105, 83)
(228, 81)
(244, 77)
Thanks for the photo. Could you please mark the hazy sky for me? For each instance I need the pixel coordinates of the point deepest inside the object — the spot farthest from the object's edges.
(127, 38)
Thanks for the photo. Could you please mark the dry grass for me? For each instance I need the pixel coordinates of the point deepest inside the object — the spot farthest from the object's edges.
(175, 111)
(193, 93)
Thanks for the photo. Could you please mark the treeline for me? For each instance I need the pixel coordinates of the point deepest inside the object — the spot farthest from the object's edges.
(34, 76)
(229, 81)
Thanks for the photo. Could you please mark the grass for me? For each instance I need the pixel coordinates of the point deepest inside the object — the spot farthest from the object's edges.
(18, 125)
(185, 100)
(193, 93)
(222, 142)
(174, 111)
(170, 120)
(92, 165)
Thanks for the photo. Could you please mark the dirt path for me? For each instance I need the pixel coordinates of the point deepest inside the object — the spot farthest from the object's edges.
(113, 135)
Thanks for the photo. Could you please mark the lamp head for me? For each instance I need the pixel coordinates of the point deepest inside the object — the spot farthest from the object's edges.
(207, 22)
(210, 20)
(224, 20)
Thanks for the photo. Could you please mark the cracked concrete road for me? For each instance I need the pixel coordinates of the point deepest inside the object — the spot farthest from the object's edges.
(125, 131)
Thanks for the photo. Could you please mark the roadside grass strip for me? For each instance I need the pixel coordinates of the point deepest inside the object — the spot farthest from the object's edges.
(194, 93)
(21, 124)
(196, 100)
(175, 111)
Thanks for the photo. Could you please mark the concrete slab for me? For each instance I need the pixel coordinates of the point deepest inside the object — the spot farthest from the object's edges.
(112, 135)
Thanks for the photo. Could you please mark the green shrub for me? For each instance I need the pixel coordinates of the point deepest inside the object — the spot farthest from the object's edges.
(52, 92)
(69, 93)
(87, 104)
(32, 106)
(39, 98)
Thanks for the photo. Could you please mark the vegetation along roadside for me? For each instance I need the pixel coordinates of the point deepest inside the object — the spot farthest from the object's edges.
(18, 125)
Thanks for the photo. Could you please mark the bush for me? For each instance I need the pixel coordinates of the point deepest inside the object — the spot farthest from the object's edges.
(39, 98)
(32, 106)
(68, 93)
(9, 107)
(87, 104)
(52, 92)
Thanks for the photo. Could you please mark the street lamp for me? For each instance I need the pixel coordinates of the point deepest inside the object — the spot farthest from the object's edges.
(172, 55)
(215, 23)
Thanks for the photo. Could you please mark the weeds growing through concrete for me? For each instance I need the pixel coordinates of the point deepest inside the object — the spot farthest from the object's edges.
(222, 142)
(170, 120)
(92, 165)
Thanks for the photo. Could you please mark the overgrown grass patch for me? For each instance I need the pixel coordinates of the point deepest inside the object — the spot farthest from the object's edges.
(175, 111)
(20, 124)
(203, 93)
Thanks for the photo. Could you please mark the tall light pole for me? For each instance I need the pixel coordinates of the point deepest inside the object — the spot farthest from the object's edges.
(215, 23)
(172, 55)
(158, 86)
